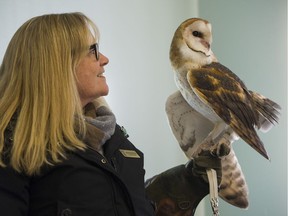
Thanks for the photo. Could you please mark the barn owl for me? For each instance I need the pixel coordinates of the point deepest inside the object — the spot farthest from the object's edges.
(214, 107)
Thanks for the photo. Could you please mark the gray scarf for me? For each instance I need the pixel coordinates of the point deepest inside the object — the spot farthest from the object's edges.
(100, 124)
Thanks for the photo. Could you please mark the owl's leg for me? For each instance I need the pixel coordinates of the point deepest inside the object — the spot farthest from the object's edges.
(218, 130)
(222, 143)
(218, 141)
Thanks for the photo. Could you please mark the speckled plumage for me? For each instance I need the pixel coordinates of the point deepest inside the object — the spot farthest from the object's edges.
(213, 102)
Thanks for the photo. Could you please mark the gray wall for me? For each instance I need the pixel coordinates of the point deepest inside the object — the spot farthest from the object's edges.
(250, 37)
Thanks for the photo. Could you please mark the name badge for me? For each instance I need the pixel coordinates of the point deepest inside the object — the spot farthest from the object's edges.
(129, 153)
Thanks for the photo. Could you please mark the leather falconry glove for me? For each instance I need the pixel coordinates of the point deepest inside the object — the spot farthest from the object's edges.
(178, 191)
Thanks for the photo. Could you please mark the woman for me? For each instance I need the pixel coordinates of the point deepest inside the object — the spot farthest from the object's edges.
(61, 151)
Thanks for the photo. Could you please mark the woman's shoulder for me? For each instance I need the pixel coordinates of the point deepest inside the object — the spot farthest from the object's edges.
(119, 142)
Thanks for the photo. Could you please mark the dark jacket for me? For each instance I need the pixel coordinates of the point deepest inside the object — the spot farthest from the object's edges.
(86, 184)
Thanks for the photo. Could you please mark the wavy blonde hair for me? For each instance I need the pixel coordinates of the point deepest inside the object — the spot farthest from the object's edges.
(38, 82)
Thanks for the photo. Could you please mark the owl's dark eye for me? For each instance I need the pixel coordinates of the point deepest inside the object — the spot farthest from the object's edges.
(197, 34)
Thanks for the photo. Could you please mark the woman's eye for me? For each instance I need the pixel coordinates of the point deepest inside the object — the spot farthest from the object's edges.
(92, 51)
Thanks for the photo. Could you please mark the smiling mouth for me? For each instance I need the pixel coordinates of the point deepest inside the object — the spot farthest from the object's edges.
(101, 75)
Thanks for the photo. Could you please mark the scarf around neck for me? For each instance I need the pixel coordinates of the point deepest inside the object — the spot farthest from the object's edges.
(100, 125)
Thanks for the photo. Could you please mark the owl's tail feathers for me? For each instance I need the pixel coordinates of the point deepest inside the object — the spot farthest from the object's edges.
(269, 111)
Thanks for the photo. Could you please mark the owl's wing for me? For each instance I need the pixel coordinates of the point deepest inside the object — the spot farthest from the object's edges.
(227, 95)
(190, 130)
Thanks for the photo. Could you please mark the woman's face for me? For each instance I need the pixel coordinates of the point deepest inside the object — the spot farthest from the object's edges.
(91, 82)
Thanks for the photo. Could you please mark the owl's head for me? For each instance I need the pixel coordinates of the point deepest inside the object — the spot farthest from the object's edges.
(192, 43)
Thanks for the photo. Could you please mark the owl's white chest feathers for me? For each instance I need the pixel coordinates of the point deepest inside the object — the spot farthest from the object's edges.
(192, 98)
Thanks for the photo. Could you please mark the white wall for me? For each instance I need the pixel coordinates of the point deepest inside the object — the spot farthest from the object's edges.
(136, 36)
(250, 37)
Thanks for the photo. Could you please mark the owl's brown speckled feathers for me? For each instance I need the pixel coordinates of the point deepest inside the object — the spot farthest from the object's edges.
(213, 105)
(212, 89)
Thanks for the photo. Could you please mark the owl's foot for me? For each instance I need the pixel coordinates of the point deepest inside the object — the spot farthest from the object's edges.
(219, 146)
(221, 149)
(222, 145)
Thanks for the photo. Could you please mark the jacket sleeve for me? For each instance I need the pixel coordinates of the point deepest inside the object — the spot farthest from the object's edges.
(14, 194)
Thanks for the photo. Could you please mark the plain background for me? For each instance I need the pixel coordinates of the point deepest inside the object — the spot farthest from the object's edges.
(250, 37)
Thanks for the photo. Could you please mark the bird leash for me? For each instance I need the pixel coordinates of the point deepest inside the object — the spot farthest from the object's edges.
(213, 190)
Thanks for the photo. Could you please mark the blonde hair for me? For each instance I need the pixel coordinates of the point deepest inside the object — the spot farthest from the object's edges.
(38, 84)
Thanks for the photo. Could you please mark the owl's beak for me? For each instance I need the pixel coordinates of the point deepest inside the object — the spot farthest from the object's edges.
(206, 44)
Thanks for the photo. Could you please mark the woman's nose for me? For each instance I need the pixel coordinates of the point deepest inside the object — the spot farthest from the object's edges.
(103, 60)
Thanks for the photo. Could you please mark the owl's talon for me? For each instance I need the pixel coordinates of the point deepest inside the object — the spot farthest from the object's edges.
(220, 150)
